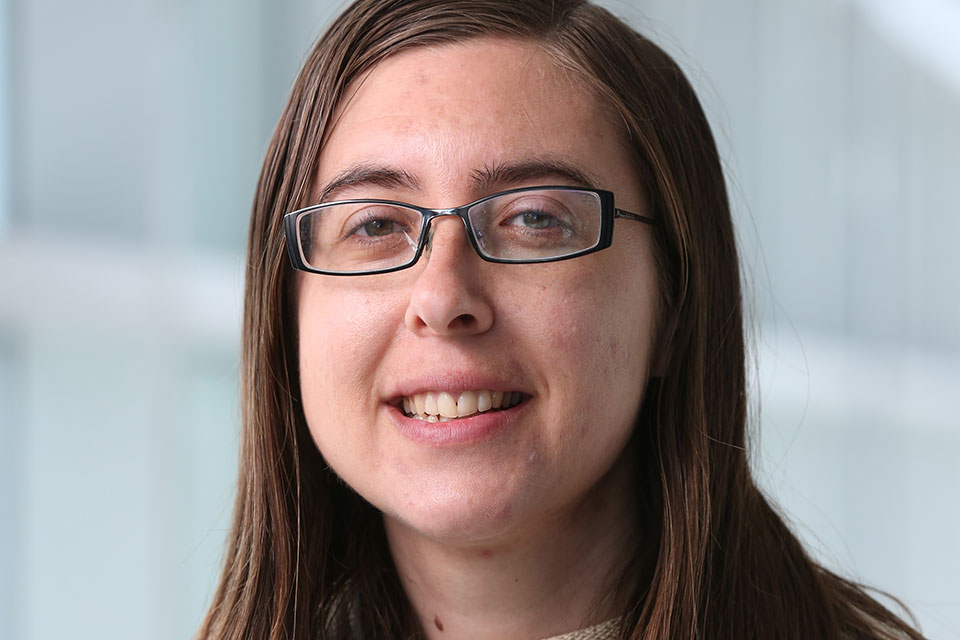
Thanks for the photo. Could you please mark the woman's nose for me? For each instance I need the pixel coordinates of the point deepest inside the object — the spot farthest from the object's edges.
(449, 297)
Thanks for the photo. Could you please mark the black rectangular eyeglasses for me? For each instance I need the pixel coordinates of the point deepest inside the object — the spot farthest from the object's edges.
(526, 225)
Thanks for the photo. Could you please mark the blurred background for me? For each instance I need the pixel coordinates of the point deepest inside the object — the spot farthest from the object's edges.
(131, 134)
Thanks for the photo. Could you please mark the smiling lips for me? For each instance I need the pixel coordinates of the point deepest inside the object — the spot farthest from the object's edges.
(440, 406)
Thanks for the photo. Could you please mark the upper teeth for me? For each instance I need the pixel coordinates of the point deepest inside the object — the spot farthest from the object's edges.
(440, 404)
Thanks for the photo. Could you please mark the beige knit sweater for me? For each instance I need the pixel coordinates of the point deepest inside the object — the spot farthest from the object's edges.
(605, 631)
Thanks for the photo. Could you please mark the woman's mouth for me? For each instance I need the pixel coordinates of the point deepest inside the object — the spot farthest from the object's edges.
(442, 406)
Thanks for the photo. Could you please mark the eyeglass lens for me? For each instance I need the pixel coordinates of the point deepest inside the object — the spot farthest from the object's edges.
(526, 225)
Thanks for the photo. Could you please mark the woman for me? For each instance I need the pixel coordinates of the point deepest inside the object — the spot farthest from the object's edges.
(466, 415)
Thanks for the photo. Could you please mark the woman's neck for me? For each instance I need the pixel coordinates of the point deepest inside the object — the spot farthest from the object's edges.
(553, 577)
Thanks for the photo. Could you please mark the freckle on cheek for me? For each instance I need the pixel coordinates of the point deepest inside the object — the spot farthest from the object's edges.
(614, 347)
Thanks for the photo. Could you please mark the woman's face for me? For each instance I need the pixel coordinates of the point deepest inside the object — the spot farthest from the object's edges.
(440, 127)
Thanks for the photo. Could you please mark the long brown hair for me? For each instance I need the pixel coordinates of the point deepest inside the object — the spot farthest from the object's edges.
(307, 557)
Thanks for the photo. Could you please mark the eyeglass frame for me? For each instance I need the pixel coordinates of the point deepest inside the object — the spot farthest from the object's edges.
(608, 213)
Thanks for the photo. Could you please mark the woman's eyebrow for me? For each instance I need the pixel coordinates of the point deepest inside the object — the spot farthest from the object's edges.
(362, 175)
(485, 180)
(512, 173)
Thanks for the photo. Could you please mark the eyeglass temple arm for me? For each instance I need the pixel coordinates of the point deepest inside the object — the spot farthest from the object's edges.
(620, 213)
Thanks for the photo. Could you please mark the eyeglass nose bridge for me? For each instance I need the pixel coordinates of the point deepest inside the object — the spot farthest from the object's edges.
(426, 232)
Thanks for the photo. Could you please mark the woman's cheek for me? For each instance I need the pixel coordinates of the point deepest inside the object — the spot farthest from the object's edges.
(579, 328)
(344, 333)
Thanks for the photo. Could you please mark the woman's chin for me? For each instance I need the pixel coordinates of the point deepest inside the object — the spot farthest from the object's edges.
(457, 519)
(452, 532)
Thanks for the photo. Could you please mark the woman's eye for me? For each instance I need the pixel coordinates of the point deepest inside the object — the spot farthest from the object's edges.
(534, 220)
(376, 222)
(374, 228)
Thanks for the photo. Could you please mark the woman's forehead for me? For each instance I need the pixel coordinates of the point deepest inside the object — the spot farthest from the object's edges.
(443, 113)
(488, 69)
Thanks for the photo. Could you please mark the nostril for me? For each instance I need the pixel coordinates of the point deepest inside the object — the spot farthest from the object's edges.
(447, 298)
(463, 321)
